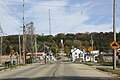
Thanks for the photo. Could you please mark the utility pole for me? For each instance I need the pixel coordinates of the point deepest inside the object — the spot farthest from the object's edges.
(35, 43)
(19, 50)
(114, 31)
(24, 38)
(1, 31)
(1, 50)
(92, 42)
(49, 23)
(44, 52)
(44, 48)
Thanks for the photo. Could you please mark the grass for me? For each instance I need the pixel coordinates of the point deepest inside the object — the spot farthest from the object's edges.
(91, 63)
(11, 67)
(3, 68)
(116, 71)
(101, 64)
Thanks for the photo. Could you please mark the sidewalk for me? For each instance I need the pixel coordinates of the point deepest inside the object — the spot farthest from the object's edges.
(98, 65)
(111, 67)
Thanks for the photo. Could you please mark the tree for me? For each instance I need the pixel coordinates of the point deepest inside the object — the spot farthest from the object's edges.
(49, 38)
(70, 37)
(80, 40)
(8, 50)
(67, 50)
(40, 46)
(76, 43)
(6, 47)
(68, 43)
(58, 37)
(16, 48)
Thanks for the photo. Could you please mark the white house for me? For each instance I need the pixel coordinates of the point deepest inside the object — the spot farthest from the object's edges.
(77, 54)
(92, 56)
(88, 57)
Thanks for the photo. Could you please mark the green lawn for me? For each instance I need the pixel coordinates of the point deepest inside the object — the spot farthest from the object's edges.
(116, 71)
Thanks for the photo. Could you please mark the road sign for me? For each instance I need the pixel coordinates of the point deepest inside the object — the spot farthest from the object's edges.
(12, 51)
(114, 45)
(118, 50)
(90, 49)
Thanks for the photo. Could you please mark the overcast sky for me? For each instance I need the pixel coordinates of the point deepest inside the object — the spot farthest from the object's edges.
(67, 16)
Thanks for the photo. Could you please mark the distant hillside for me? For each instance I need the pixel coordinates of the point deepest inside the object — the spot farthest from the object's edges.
(48, 42)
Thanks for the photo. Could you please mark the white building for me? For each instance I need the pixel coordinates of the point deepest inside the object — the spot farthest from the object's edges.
(92, 56)
(77, 54)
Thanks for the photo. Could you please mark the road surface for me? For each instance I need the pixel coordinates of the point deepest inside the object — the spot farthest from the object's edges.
(57, 71)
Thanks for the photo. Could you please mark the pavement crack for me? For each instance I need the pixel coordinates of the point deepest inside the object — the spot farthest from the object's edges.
(53, 76)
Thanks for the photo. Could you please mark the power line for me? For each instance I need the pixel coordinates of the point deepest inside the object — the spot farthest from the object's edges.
(13, 13)
(37, 4)
(59, 6)
(2, 13)
(5, 19)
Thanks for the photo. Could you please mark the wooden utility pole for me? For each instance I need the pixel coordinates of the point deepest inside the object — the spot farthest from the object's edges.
(114, 31)
(92, 42)
(35, 43)
(1, 31)
(24, 38)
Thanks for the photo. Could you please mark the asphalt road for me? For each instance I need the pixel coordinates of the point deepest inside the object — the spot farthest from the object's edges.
(57, 71)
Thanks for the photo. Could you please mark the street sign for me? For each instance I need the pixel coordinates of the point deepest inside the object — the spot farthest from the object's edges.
(90, 49)
(118, 50)
(12, 51)
(114, 45)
